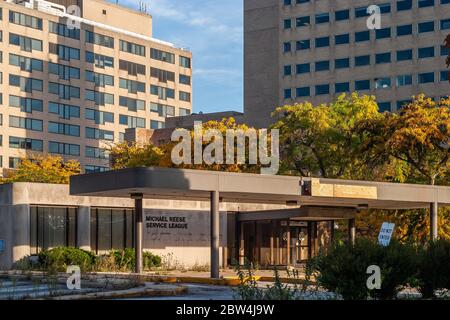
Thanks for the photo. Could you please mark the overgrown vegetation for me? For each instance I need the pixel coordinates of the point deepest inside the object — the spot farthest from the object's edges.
(343, 269)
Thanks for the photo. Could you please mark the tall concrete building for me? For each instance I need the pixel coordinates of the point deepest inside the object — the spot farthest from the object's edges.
(71, 84)
(310, 50)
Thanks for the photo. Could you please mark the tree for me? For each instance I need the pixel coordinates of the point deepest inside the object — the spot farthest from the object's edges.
(323, 141)
(125, 155)
(44, 169)
(418, 135)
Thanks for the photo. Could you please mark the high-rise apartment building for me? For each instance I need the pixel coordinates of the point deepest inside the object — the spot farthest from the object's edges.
(71, 85)
(314, 50)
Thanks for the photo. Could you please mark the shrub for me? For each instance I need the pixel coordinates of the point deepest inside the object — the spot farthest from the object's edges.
(343, 269)
(435, 268)
(126, 260)
(59, 259)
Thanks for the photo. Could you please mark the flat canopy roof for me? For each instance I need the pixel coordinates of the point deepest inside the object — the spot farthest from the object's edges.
(183, 184)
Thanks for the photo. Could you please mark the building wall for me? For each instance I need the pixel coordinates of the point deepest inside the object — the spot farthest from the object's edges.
(184, 242)
(96, 160)
(390, 97)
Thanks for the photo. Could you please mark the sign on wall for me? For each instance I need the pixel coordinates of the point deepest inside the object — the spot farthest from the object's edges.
(384, 238)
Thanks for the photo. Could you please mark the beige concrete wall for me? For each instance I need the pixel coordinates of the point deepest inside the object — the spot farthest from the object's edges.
(116, 109)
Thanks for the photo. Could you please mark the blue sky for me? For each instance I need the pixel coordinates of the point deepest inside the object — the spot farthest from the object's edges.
(212, 30)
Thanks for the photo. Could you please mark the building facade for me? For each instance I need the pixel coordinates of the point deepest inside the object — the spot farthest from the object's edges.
(72, 85)
(309, 50)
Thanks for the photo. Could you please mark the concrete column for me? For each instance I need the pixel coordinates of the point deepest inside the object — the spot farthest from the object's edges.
(351, 231)
(434, 209)
(21, 232)
(215, 229)
(138, 213)
(84, 228)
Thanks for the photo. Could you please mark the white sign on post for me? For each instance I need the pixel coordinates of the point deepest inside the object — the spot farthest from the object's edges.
(384, 238)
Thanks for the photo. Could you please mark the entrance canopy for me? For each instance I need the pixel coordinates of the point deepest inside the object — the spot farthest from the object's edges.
(182, 184)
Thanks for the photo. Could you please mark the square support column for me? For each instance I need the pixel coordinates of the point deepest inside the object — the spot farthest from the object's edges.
(138, 213)
(351, 231)
(434, 211)
(215, 229)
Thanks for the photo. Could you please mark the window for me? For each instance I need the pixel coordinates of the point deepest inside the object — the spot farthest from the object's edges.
(425, 27)
(131, 85)
(25, 20)
(404, 30)
(64, 52)
(154, 124)
(362, 36)
(385, 8)
(444, 74)
(342, 87)
(303, 68)
(362, 85)
(162, 55)
(404, 80)
(184, 79)
(287, 47)
(383, 33)
(184, 112)
(64, 72)
(100, 117)
(342, 39)
(287, 70)
(93, 169)
(287, 24)
(426, 77)
(162, 75)
(14, 162)
(64, 91)
(163, 110)
(445, 51)
(25, 104)
(132, 48)
(322, 18)
(132, 68)
(25, 84)
(25, 144)
(303, 44)
(342, 63)
(361, 12)
(99, 60)
(384, 107)
(342, 15)
(382, 83)
(383, 58)
(322, 65)
(97, 134)
(303, 21)
(99, 79)
(322, 42)
(52, 227)
(185, 62)
(25, 64)
(185, 96)
(111, 229)
(362, 60)
(162, 93)
(26, 44)
(25, 123)
(100, 98)
(63, 30)
(425, 3)
(445, 24)
(402, 103)
(64, 129)
(404, 5)
(287, 93)
(63, 110)
(96, 153)
(427, 52)
(403, 55)
(64, 148)
(322, 89)
(132, 104)
(96, 38)
(131, 122)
